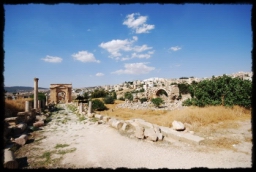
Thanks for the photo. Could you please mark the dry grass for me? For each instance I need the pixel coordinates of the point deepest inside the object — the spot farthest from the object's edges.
(212, 121)
(12, 107)
(191, 115)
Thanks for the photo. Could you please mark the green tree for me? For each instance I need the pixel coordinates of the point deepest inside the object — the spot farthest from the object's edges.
(142, 100)
(79, 98)
(157, 101)
(98, 93)
(86, 95)
(128, 95)
(223, 90)
(41, 96)
(98, 105)
(183, 88)
(109, 100)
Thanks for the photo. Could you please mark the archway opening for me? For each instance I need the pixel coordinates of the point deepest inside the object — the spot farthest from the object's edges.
(61, 97)
(161, 93)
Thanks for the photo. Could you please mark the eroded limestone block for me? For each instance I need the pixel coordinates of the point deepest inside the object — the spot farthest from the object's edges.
(139, 132)
(125, 127)
(150, 134)
(98, 116)
(90, 115)
(178, 126)
(105, 118)
(117, 124)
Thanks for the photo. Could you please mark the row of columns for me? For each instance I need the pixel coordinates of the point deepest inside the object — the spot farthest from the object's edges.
(89, 108)
(28, 105)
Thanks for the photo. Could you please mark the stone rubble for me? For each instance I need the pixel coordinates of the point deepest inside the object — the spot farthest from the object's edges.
(149, 105)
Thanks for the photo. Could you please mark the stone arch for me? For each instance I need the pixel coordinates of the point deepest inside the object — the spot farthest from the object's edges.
(61, 96)
(161, 91)
(60, 93)
(172, 92)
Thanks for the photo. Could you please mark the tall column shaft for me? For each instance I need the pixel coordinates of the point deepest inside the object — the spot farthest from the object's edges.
(36, 93)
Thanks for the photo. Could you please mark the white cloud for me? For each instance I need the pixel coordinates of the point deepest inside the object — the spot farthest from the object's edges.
(176, 48)
(52, 59)
(118, 47)
(135, 55)
(99, 74)
(125, 58)
(115, 46)
(135, 69)
(151, 52)
(141, 48)
(135, 38)
(138, 24)
(85, 56)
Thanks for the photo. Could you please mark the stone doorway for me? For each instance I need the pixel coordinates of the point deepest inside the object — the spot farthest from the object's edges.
(61, 97)
(60, 93)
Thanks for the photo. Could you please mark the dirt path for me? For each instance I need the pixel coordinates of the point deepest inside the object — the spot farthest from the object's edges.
(84, 144)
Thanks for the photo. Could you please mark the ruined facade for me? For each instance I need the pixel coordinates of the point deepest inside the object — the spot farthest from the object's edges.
(60, 93)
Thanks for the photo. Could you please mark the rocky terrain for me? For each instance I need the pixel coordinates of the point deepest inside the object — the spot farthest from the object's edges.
(73, 141)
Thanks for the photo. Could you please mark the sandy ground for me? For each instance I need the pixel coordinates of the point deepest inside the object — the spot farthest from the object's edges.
(98, 145)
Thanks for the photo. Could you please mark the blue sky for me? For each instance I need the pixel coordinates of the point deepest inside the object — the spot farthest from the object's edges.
(107, 44)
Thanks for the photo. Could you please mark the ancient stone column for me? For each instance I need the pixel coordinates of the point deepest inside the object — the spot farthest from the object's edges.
(36, 93)
(46, 100)
(39, 104)
(27, 106)
(80, 107)
(90, 107)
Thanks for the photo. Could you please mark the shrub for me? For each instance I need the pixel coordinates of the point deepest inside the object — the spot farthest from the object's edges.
(41, 96)
(98, 105)
(183, 88)
(142, 100)
(98, 93)
(157, 101)
(128, 96)
(114, 95)
(109, 100)
(121, 98)
(142, 90)
(223, 90)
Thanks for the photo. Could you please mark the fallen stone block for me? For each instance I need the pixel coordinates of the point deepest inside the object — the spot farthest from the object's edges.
(111, 120)
(181, 136)
(11, 120)
(22, 117)
(90, 115)
(98, 116)
(150, 134)
(139, 132)
(19, 128)
(38, 124)
(21, 140)
(159, 136)
(178, 126)
(156, 129)
(190, 138)
(117, 124)
(105, 118)
(125, 127)
(9, 159)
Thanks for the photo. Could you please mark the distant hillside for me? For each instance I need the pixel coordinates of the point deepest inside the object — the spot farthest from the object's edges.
(15, 89)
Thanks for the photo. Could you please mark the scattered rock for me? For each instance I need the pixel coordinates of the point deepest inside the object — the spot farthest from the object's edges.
(178, 126)
(150, 134)
(139, 132)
